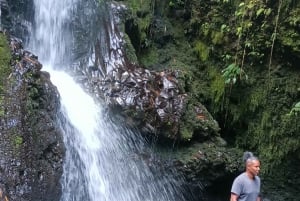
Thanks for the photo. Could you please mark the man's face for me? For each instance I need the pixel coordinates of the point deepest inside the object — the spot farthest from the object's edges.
(253, 167)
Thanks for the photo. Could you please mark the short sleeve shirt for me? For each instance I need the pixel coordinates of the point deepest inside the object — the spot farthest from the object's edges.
(247, 189)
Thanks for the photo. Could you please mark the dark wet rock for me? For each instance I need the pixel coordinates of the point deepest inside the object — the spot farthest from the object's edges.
(209, 168)
(210, 162)
(16, 16)
(153, 101)
(31, 146)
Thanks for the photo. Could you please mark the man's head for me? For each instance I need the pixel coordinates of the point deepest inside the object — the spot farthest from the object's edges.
(252, 166)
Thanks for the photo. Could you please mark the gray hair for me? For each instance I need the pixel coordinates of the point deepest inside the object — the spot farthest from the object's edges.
(249, 157)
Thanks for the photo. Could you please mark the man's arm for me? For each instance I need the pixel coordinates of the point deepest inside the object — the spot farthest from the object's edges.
(235, 197)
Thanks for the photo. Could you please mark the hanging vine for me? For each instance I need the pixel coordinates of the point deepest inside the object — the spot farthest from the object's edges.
(273, 37)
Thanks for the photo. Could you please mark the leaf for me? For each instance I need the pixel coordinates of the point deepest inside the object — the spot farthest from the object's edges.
(241, 4)
(268, 11)
(297, 105)
(227, 81)
(248, 24)
(239, 31)
(248, 44)
(259, 11)
(250, 6)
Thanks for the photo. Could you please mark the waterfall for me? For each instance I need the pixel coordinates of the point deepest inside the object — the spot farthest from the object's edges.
(104, 161)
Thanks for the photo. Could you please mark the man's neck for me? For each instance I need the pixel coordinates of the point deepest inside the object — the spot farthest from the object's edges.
(251, 176)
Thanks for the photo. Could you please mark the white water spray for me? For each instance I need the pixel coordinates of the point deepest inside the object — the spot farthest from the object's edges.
(103, 161)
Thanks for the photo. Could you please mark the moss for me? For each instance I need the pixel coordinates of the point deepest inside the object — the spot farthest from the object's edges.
(186, 133)
(202, 50)
(129, 49)
(141, 14)
(150, 58)
(217, 87)
(257, 98)
(18, 141)
(271, 131)
(5, 57)
(139, 7)
(217, 38)
(15, 139)
(5, 69)
(277, 140)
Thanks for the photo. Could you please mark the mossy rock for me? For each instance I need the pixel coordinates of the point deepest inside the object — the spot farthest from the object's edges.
(5, 69)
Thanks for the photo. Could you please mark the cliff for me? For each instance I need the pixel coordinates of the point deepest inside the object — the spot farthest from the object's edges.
(31, 146)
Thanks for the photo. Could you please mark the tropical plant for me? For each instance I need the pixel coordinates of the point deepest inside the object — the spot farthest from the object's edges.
(295, 110)
(232, 73)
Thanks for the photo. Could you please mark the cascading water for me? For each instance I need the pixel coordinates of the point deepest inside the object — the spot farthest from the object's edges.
(104, 162)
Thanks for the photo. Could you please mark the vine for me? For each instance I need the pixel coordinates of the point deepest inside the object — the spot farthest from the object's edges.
(273, 37)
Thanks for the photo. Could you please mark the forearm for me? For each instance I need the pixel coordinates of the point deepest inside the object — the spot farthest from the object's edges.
(233, 197)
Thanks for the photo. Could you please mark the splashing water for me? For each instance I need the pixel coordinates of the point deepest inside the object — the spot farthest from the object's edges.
(103, 162)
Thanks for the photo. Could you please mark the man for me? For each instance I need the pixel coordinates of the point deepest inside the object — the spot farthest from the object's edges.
(246, 187)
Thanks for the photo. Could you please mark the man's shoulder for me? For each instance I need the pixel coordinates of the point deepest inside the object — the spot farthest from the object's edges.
(242, 176)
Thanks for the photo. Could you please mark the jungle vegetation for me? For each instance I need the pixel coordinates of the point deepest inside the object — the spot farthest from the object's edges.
(4, 69)
(239, 58)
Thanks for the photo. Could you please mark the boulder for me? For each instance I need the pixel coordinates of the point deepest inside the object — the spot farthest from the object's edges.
(31, 143)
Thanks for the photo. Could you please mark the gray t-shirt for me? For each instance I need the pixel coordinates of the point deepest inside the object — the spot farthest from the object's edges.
(247, 189)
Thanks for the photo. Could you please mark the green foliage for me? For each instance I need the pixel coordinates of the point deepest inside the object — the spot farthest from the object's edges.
(129, 49)
(258, 97)
(4, 60)
(279, 140)
(217, 38)
(189, 124)
(150, 58)
(295, 110)
(202, 50)
(255, 111)
(186, 133)
(288, 34)
(272, 128)
(176, 3)
(18, 141)
(294, 18)
(139, 5)
(5, 69)
(217, 87)
(142, 12)
(232, 73)
(246, 13)
(291, 39)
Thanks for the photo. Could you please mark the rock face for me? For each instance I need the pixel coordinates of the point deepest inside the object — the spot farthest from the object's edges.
(31, 146)
(209, 169)
(153, 101)
(16, 16)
